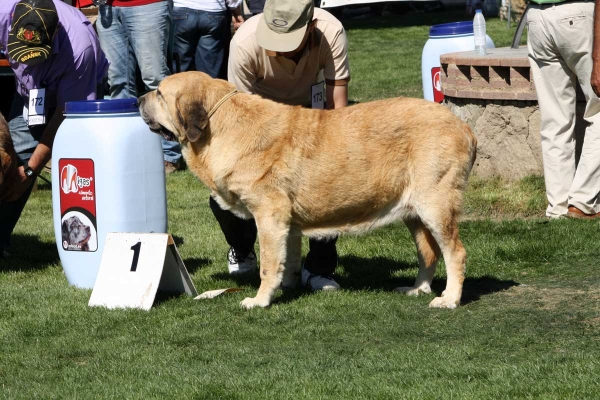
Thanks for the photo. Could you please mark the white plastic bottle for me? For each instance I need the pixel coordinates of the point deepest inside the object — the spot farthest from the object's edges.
(109, 176)
(479, 33)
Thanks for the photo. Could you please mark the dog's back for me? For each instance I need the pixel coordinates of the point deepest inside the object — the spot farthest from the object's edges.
(362, 166)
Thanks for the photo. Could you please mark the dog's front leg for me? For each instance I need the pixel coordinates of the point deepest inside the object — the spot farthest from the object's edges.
(273, 236)
(293, 258)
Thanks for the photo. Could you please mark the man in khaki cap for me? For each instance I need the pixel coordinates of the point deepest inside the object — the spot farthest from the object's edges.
(298, 55)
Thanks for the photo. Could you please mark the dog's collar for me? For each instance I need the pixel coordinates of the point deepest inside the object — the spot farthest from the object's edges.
(223, 100)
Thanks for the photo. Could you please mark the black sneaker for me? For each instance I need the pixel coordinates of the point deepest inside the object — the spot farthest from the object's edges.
(241, 264)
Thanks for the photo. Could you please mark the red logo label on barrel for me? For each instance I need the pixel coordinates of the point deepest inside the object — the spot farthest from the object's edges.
(436, 81)
(78, 204)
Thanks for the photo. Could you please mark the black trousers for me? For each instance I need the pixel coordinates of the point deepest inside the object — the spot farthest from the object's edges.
(241, 235)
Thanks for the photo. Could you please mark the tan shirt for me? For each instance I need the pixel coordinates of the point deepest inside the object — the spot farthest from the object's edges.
(252, 70)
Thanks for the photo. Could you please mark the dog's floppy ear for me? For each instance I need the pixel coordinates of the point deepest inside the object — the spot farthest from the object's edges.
(65, 230)
(192, 117)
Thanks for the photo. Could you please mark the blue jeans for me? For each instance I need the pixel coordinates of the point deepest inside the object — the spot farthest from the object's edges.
(201, 40)
(134, 37)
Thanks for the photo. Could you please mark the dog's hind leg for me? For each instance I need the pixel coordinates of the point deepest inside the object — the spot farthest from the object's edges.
(273, 234)
(428, 253)
(444, 229)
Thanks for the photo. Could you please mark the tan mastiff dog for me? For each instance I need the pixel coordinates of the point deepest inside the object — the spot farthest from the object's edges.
(323, 172)
(8, 160)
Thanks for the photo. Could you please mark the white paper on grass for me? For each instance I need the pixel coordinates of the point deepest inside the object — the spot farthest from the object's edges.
(214, 293)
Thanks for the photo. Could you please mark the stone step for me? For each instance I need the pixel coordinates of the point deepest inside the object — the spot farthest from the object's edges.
(503, 74)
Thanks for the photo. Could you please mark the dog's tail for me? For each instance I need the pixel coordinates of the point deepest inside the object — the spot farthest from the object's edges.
(472, 146)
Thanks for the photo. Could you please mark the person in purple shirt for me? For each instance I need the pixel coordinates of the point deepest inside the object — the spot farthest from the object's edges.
(56, 58)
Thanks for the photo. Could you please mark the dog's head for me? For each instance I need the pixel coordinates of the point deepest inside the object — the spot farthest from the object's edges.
(8, 159)
(178, 108)
(75, 232)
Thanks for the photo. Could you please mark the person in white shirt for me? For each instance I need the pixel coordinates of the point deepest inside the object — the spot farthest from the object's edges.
(202, 31)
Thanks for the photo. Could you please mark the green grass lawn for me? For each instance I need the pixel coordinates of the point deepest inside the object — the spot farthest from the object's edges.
(396, 43)
(529, 325)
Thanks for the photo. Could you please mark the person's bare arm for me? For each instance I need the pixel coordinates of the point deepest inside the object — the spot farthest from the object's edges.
(241, 70)
(337, 95)
(41, 155)
(595, 78)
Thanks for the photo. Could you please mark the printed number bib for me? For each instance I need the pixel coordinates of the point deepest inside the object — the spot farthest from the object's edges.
(318, 95)
(36, 107)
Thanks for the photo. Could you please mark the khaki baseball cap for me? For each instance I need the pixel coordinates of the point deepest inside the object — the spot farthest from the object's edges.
(283, 24)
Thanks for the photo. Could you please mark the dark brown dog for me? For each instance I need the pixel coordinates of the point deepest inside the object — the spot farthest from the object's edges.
(323, 172)
(8, 160)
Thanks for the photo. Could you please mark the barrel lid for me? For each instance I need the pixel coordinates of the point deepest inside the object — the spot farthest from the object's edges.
(116, 106)
(451, 28)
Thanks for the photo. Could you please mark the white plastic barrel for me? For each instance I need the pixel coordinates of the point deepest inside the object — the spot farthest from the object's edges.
(108, 176)
(444, 38)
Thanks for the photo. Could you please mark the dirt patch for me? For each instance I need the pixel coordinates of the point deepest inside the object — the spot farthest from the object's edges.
(552, 299)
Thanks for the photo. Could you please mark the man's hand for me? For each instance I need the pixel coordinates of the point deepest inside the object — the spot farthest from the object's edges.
(595, 78)
(237, 17)
(21, 184)
(237, 20)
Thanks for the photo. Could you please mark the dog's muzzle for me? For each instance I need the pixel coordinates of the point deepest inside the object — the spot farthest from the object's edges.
(162, 131)
(157, 128)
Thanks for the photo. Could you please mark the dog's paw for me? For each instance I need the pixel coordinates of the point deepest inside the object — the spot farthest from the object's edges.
(444, 302)
(251, 302)
(414, 291)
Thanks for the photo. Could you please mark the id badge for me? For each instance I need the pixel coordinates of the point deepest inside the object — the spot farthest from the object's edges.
(318, 95)
(37, 107)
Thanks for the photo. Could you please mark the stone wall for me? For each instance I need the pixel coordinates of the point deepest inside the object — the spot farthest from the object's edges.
(508, 136)
(495, 95)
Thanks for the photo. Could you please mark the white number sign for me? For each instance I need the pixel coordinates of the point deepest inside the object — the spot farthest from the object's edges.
(135, 266)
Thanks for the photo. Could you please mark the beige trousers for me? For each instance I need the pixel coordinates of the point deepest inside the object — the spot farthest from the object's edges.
(559, 41)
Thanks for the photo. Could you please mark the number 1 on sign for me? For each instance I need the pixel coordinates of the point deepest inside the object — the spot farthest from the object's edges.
(136, 255)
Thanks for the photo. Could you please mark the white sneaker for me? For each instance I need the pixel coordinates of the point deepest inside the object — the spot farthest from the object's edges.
(318, 282)
(241, 265)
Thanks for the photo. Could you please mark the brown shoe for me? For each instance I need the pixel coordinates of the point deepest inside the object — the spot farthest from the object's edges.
(172, 167)
(575, 212)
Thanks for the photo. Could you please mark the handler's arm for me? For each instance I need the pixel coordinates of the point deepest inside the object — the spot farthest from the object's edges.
(240, 68)
(78, 83)
(41, 155)
(595, 78)
(43, 151)
(337, 95)
(337, 71)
